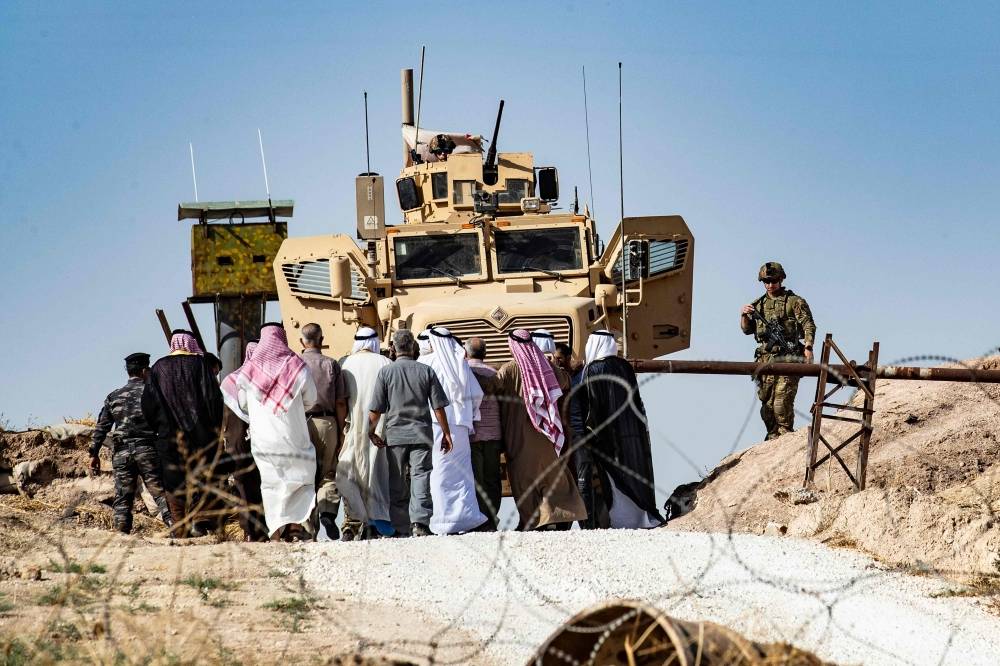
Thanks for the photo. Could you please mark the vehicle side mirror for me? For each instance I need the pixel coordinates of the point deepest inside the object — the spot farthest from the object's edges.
(409, 193)
(547, 180)
(340, 277)
(637, 255)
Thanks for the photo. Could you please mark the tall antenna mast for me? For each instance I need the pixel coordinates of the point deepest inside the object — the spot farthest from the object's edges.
(621, 168)
(267, 185)
(586, 121)
(621, 196)
(368, 154)
(420, 99)
(194, 176)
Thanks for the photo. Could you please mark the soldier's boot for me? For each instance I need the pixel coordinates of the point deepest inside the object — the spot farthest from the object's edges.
(123, 524)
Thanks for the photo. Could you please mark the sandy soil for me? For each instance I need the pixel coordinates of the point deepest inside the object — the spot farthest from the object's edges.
(75, 593)
(933, 492)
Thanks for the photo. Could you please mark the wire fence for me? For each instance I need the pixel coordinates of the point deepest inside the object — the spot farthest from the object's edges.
(73, 590)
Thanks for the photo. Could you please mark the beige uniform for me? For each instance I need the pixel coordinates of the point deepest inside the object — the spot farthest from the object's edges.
(777, 394)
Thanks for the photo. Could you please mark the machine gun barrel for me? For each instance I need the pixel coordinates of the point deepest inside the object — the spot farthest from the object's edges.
(813, 369)
(491, 155)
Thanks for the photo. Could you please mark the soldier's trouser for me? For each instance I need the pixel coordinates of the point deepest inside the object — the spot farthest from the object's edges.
(324, 436)
(409, 502)
(777, 403)
(129, 462)
(486, 470)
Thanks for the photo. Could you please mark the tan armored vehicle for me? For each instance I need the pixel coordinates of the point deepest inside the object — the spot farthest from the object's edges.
(483, 249)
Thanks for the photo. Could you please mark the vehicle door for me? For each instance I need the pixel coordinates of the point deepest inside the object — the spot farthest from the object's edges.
(651, 261)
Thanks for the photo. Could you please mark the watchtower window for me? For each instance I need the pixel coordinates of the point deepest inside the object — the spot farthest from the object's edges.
(516, 189)
(462, 191)
(439, 185)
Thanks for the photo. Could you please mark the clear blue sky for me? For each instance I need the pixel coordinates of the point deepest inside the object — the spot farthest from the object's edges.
(857, 145)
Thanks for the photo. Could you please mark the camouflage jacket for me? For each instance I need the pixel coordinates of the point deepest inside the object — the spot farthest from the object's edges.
(122, 411)
(790, 311)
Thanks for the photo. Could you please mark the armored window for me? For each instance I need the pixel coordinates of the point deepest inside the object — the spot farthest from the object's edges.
(462, 191)
(437, 256)
(439, 185)
(664, 256)
(524, 251)
(313, 277)
(409, 195)
(516, 189)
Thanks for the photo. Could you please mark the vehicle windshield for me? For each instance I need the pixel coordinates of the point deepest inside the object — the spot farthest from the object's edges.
(524, 251)
(437, 256)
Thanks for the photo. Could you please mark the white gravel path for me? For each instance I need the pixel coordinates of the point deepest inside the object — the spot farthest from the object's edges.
(512, 590)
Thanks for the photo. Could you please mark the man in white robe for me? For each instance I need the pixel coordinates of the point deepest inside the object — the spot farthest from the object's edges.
(453, 485)
(363, 469)
(270, 390)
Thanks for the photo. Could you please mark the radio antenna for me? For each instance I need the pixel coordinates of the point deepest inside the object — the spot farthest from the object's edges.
(586, 121)
(624, 236)
(621, 168)
(368, 154)
(267, 185)
(194, 176)
(420, 99)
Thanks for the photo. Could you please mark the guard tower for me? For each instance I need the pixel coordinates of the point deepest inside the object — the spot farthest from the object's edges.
(231, 266)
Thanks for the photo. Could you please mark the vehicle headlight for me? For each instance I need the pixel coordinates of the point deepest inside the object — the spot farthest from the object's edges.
(531, 204)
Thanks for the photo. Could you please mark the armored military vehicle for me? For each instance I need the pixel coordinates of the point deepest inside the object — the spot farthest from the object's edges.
(483, 248)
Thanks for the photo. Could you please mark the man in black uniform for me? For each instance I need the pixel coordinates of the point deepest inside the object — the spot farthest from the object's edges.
(134, 445)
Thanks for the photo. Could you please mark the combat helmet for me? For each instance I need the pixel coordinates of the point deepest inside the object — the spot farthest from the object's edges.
(442, 144)
(772, 270)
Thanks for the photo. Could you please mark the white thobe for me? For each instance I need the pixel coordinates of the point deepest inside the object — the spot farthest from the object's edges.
(626, 515)
(453, 486)
(285, 457)
(362, 468)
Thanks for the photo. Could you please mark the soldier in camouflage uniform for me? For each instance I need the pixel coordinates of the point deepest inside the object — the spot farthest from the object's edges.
(791, 312)
(134, 445)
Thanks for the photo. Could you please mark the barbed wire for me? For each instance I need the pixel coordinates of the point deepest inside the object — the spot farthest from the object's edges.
(112, 599)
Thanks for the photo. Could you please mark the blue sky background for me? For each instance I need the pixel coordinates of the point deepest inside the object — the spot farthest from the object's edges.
(857, 145)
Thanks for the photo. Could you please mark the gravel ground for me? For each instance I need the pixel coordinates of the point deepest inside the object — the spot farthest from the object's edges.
(513, 589)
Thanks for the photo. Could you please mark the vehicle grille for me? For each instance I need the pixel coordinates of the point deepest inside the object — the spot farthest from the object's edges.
(497, 347)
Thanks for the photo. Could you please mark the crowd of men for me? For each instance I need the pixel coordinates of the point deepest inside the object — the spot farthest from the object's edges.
(410, 441)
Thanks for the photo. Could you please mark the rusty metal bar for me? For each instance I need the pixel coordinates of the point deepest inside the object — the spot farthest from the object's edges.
(813, 370)
(164, 324)
(193, 323)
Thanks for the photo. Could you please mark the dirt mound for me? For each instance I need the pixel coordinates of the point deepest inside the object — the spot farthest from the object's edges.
(62, 487)
(69, 455)
(933, 494)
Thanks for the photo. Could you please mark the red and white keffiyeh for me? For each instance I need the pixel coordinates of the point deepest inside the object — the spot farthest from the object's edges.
(230, 386)
(539, 387)
(274, 374)
(184, 342)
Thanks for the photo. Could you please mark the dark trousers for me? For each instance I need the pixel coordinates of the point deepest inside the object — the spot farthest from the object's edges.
(582, 462)
(409, 501)
(194, 471)
(130, 462)
(246, 478)
(486, 469)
